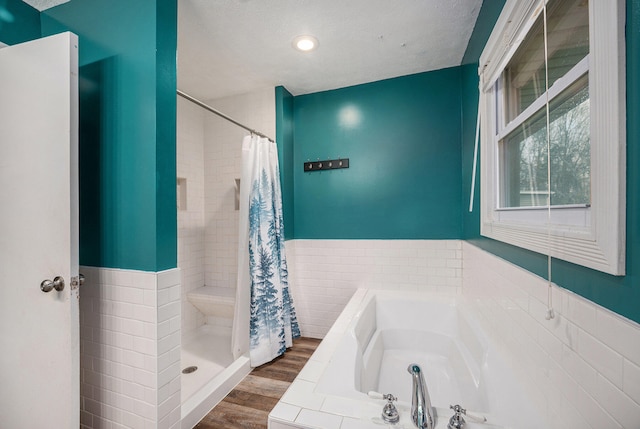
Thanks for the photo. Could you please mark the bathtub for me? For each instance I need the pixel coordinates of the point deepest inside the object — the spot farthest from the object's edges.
(369, 349)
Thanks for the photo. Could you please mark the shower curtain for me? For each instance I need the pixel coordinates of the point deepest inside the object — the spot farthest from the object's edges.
(264, 319)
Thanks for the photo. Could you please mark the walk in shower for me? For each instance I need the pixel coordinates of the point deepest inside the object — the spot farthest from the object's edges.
(209, 166)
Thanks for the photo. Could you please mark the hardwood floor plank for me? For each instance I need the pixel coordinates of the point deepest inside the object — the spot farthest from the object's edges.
(306, 343)
(286, 375)
(290, 358)
(263, 386)
(250, 402)
(233, 416)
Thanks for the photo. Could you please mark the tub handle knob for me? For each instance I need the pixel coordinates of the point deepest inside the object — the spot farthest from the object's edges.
(389, 412)
(457, 422)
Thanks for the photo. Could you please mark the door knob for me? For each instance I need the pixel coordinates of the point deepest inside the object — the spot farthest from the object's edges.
(48, 285)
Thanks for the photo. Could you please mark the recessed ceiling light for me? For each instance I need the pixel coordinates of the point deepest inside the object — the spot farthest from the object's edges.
(305, 43)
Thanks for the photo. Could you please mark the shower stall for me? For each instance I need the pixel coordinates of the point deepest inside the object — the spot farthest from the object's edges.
(209, 166)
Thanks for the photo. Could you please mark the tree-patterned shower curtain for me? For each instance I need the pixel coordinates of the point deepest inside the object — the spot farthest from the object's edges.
(272, 317)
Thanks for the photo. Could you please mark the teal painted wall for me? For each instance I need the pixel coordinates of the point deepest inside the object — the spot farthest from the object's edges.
(19, 22)
(402, 137)
(166, 122)
(284, 139)
(128, 129)
(620, 294)
(487, 16)
(469, 87)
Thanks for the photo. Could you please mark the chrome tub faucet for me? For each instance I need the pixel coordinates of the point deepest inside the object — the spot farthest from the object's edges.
(422, 413)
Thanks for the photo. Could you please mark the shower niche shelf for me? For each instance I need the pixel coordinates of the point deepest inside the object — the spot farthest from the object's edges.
(181, 193)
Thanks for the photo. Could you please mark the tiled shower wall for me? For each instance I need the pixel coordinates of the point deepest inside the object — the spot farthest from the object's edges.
(223, 164)
(130, 349)
(325, 273)
(191, 226)
(209, 158)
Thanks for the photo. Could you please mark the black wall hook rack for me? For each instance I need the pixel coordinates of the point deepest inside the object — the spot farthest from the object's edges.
(327, 164)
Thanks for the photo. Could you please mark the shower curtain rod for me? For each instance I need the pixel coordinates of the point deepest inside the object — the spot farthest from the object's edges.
(222, 115)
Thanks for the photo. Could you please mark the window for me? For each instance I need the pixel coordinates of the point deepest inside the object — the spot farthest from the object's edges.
(553, 130)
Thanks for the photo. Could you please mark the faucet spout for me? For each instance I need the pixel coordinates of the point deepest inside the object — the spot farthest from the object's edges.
(422, 413)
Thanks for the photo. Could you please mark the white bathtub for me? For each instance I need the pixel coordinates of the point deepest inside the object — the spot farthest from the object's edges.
(370, 347)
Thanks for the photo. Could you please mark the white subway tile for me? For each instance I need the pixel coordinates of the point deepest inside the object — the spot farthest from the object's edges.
(151, 363)
(550, 343)
(619, 333)
(132, 327)
(168, 311)
(351, 423)
(170, 389)
(168, 374)
(604, 359)
(275, 424)
(595, 343)
(144, 410)
(594, 412)
(284, 411)
(631, 381)
(133, 358)
(145, 378)
(622, 408)
(579, 311)
(132, 420)
(145, 346)
(311, 371)
(314, 418)
(168, 278)
(580, 370)
(144, 313)
(167, 406)
(133, 390)
(168, 342)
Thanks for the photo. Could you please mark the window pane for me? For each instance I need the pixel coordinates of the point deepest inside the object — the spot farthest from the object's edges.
(568, 43)
(523, 154)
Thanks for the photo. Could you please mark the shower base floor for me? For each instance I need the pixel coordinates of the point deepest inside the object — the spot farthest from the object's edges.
(210, 351)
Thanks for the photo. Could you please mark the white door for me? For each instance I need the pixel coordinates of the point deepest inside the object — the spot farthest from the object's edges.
(39, 331)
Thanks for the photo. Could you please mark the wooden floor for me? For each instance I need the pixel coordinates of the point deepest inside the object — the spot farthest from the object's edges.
(249, 404)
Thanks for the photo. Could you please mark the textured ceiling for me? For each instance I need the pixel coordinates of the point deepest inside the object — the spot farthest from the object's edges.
(44, 4)
(228, 47)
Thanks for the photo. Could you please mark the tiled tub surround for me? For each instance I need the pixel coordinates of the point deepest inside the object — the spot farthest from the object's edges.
(325, 273)
(370, 347)
(130, 349)
(582, 367)
(579, 370)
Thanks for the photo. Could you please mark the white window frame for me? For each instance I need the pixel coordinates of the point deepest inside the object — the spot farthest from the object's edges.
(592, 236)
